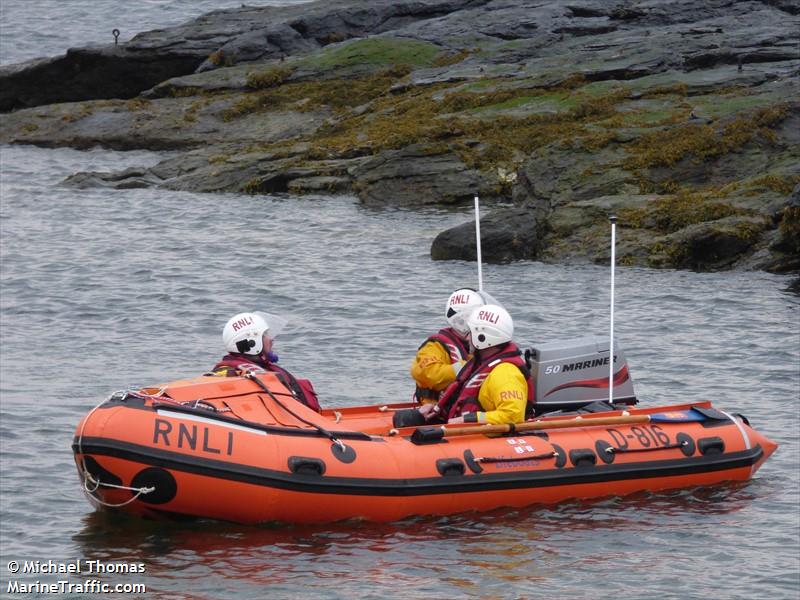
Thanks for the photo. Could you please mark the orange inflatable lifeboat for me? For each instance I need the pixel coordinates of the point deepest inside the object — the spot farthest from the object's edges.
(241, 449)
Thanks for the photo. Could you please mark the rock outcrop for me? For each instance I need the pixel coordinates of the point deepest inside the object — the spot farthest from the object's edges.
(221, 38)
(679, 117)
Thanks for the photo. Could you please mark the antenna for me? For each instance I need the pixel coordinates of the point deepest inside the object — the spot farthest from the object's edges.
(613, 220)
(478, 242)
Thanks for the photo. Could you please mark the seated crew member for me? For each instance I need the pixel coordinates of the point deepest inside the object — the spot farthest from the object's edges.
(441, 356)
(494, 386)
(249, 337)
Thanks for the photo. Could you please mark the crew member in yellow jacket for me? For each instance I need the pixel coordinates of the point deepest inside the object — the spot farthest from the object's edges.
(494, 386)
(441, 356)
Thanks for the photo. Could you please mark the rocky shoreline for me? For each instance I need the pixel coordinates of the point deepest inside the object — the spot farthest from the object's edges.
(682, 118)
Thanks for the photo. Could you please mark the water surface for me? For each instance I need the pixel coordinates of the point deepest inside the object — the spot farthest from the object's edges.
(104, 290)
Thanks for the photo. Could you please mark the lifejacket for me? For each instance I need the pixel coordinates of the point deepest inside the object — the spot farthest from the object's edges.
(456, 348)
(461, 396)
(235, 364)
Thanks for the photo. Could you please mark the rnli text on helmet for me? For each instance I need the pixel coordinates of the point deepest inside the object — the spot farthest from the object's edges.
(458, 299)
(241, 323)
(488, 316)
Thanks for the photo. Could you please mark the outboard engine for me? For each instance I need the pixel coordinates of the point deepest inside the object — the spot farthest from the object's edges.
(570, 374)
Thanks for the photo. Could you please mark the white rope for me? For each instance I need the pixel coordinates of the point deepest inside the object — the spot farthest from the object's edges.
(159, 394)
(87, 477)
(83, 425)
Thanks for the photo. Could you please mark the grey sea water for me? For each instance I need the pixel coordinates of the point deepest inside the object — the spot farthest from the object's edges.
(36, 28)
(103, 290)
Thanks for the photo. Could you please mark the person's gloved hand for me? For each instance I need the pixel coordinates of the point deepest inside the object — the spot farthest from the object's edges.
(457, 366)
(429, 411)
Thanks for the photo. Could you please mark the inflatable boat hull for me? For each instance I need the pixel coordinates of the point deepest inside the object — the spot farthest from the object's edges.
(239, 456)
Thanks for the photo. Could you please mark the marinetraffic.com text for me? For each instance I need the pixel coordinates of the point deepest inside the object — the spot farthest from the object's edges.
(78, 576)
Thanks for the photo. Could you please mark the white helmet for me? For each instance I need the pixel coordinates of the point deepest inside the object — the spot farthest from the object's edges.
(490, 325)
(459, 306)
(243, 333)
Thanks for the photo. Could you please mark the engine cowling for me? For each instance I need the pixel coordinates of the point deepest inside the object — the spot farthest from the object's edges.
(570, 374)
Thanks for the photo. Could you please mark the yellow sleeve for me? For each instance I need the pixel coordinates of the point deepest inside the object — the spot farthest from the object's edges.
(432, 368)
(503, 396)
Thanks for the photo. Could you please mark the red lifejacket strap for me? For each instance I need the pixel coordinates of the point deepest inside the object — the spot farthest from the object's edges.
(462, 395)
(456, 348)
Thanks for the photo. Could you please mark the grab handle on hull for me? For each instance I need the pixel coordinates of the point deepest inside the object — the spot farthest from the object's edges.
(301, 465)
(449, 467)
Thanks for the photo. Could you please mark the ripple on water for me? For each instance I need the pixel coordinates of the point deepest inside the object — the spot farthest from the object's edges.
(104, 290)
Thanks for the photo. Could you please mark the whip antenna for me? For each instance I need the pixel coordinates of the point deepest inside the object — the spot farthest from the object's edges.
(478, 242)
(613, 220)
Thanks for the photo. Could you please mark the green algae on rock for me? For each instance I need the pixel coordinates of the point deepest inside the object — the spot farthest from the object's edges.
(691, 138)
